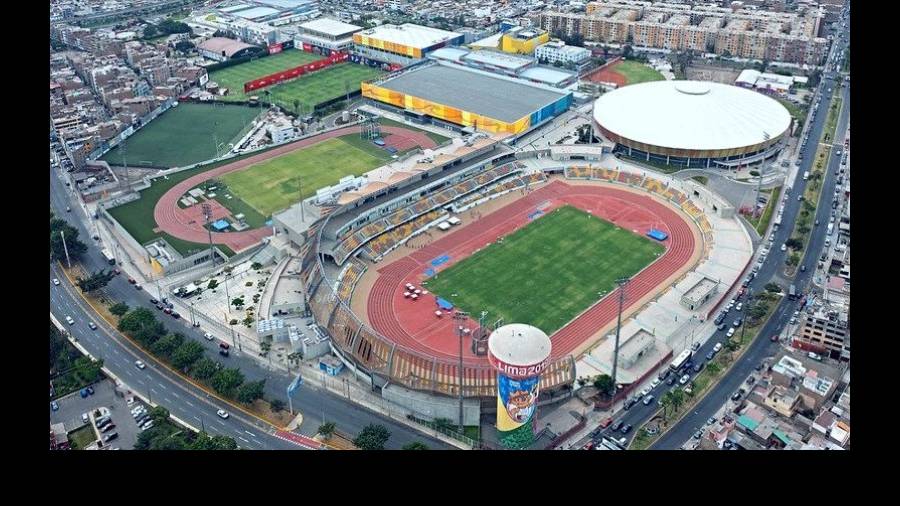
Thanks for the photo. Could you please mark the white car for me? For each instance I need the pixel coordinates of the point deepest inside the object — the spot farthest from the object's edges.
(222, 414)
(208, 336)
(655, 383)
(717, 347)
(69, 320)
(684, 379)
(784, 247)
(139, 364)
(730, 332)
(55, 281)
(645, 391)
(147, 425)
(739, 306)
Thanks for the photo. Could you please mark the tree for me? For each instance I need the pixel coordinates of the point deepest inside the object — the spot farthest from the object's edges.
(372, 437)
(167, 345)
(136, 320)
(627, 52)
(603, 383)
(416, 445)
(184, 46)
(119, 309)
(187, 354)
(150, 31)
(327, 429)
(794, 259)
(794, 243)
(212, 284)
(666, 403)
(86, 370)
(249, 392)
(59, 228)
(256, 265)
(158, 414)
(248, 321)
(204, 368)
(224, 443)
(772, 287)
(677, 398)
(226, 381)
(277, 405)
(266, 347)
(237, 302)
(170, 26)
(95, 281)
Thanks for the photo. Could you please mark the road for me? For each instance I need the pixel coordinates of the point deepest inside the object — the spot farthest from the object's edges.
(771, 270)
(763, 347)
(314, 402)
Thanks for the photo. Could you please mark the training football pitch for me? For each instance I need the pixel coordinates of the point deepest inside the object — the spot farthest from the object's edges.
(308, 90)
(184, 135)
(234, 77)
(637, 72)
(275, 184)
(547, 272)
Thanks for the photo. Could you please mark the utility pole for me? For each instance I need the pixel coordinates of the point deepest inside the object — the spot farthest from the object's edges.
(68, 260)
(125, 163)
(460, 373)
(622, 282)
(300, 192)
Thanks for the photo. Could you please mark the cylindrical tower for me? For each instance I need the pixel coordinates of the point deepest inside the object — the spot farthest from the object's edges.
(519, 353)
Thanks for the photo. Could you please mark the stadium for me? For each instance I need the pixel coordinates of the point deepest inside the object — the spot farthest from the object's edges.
(403, 274)
(458, 97)
(692, 123)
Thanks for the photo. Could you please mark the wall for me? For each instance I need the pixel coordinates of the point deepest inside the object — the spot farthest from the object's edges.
(433, 406)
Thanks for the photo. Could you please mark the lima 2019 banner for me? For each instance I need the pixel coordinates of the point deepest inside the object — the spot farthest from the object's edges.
(516, 401)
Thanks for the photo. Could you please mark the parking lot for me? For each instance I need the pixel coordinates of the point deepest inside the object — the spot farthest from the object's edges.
(73, 406)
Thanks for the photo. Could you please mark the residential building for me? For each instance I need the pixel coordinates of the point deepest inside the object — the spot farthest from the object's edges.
(824, 330)
(558, 52)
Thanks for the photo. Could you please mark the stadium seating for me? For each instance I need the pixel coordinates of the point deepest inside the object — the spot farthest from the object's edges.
(653, 185)
(578, 172)
(351, 274)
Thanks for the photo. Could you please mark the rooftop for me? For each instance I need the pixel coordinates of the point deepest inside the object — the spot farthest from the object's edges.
(469, 90)
(330, 27)
(408, 34)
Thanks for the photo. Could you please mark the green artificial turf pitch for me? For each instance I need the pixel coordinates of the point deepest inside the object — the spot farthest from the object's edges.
(547, 272)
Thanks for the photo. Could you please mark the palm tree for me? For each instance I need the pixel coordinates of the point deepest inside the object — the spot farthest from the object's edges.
(713, 368)
(326, 430)
(677, 398)
(665, 402)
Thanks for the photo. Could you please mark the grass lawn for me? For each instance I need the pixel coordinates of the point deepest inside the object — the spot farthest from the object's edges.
(763, 223)
(234, 77)
(311, 89)
(137, 217)
(82, 437)
(548, 272)
(275, 184)
(637, 72)
(183, 135)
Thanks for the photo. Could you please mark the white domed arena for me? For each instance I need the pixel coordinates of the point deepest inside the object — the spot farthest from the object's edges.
(692, 123)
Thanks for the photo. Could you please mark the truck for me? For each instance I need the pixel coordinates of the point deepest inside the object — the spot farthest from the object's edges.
(110, 259)
(792, 292)
(806, 175)
(830, 228)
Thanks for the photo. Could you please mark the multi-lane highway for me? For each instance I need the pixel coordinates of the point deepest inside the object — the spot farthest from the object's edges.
(119, 354)
(771, 270)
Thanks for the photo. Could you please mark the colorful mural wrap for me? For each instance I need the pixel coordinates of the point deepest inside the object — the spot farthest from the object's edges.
(278, 77)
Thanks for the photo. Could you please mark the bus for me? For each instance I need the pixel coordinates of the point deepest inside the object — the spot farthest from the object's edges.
(680, 360)
(110, 259)
(792, 292)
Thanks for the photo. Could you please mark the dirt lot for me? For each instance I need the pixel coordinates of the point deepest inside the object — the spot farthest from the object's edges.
(722, 75)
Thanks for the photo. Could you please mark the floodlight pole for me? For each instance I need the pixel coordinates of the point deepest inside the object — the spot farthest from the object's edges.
(459, 331)
(623, 282)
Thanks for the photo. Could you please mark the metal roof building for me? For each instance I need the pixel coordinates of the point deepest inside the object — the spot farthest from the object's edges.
(692, 123)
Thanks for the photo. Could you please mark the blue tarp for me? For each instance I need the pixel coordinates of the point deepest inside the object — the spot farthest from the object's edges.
(440, 260)
(220, 225)
(659, 235)
(444, 304)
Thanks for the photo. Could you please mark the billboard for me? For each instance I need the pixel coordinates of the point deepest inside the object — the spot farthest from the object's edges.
(275, 48)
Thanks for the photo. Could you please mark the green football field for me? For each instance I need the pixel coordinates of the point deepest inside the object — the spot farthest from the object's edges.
(637, 72)
(548, 272)
(309, 90)
(275, 184)
(184, 135)
(234, 77)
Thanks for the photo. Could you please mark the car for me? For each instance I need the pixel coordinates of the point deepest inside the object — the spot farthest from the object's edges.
(109, 437)
(710, 355)
(54, 406)
(137, 287)
(817, 223)
(160, 307)
(103, 420)
(730, 332)
(108, 428)
(616, 426)
(739, 306)
(175, 315)
(737, 323)
(139, 364)
(222, 414)
(625, 429)
(698, 367)
(717, 347)
(751, 380)
(684, 379)
(224, 345)
(784, 247)
(132, 280)
(85, 418)
(166, 310)
(84, 393)
(628, 403)
(55, 281)
(695, 346)
(138, 411)
(223, 352)
(647, 400)
(68, 209)
(655, 383)
(722, 326)
(606, 423)
(154, 301)
(208, 336)
(645, 391)
(69, 320)
(802, 268)
(698, 434)
(670, 381)
(688, 365)
(92, 325)
(141, 419)
(147, 425)
(664, 374)
(130, 401)
(711, 420)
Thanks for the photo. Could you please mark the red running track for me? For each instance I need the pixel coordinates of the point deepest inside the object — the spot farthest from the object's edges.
(179, 222)
(413, 324)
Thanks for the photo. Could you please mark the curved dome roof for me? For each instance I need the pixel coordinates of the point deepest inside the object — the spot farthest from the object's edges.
(519, 344)
(691, 115)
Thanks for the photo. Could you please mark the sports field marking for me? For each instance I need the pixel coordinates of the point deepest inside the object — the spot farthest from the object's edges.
(636, 72)
(548, 271)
